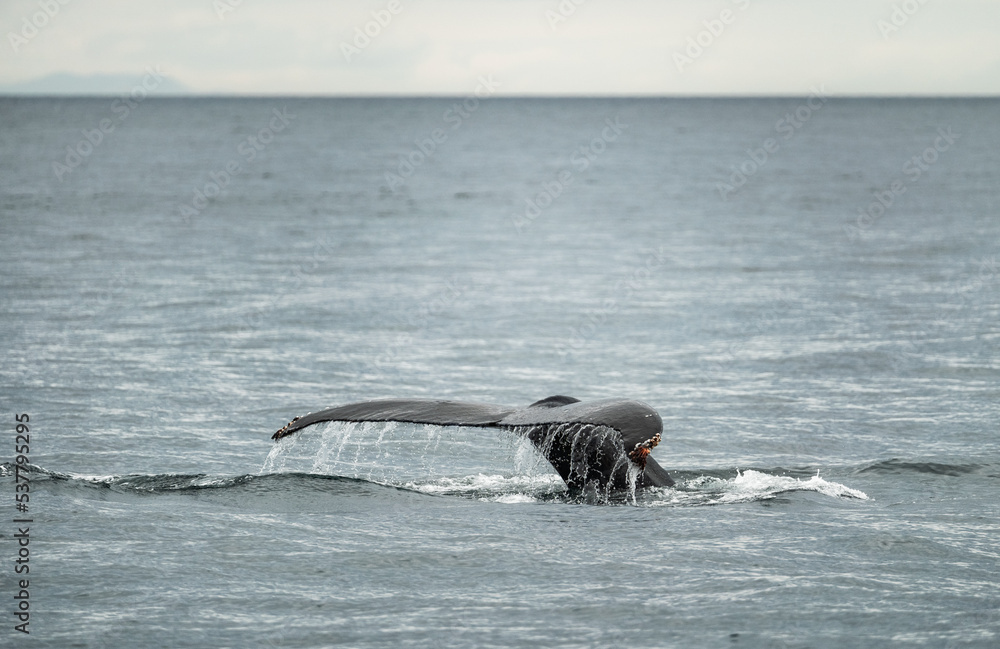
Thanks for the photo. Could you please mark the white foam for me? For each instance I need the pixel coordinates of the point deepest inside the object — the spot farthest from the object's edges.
(750, 486)
(492, 487)
(751, 481)
(513, 499)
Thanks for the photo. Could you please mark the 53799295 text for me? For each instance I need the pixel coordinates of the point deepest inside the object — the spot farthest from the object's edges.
(22, 498)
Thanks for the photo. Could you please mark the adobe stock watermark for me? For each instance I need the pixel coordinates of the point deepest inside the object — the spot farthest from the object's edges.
(248, 148)
(622, 291)
(581, 158)
(388, 356)
(564, 10)
(32, 25)
(363, 37)
(123, 279)
(763, 321)
(901, 14)
(962, 291)
(92, 138)
(425, 147)
(303, 267)
(223, 7)
(961, 297)
(456, 287)
(700, 42)
(912, 170)
(786, 127)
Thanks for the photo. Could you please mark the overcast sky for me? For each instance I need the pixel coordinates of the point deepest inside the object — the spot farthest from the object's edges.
(544, 47)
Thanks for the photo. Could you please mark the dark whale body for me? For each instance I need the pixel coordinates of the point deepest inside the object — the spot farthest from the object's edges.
(603, 444)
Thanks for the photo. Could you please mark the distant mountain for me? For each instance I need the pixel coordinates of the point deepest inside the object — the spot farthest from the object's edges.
(64, 83)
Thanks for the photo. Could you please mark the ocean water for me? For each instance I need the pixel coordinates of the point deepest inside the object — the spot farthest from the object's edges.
(806, 289)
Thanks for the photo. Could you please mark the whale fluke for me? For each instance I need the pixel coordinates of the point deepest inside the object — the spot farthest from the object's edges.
(604, 444)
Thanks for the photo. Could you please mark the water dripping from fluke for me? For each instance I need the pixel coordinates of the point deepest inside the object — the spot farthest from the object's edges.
(600, 449)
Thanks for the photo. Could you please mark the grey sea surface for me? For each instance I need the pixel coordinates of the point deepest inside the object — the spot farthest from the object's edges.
(806, 289)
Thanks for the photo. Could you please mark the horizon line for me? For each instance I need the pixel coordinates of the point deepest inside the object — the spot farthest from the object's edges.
(223, 95)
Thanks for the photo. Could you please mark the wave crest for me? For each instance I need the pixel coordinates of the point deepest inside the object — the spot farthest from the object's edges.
(748, 486)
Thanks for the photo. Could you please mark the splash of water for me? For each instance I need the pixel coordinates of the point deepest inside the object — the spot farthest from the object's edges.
(747, 486)
(400, 453)
(587, 442)
(505, 465)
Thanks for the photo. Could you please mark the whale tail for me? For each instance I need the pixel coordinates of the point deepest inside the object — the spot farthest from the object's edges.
(603, 444)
